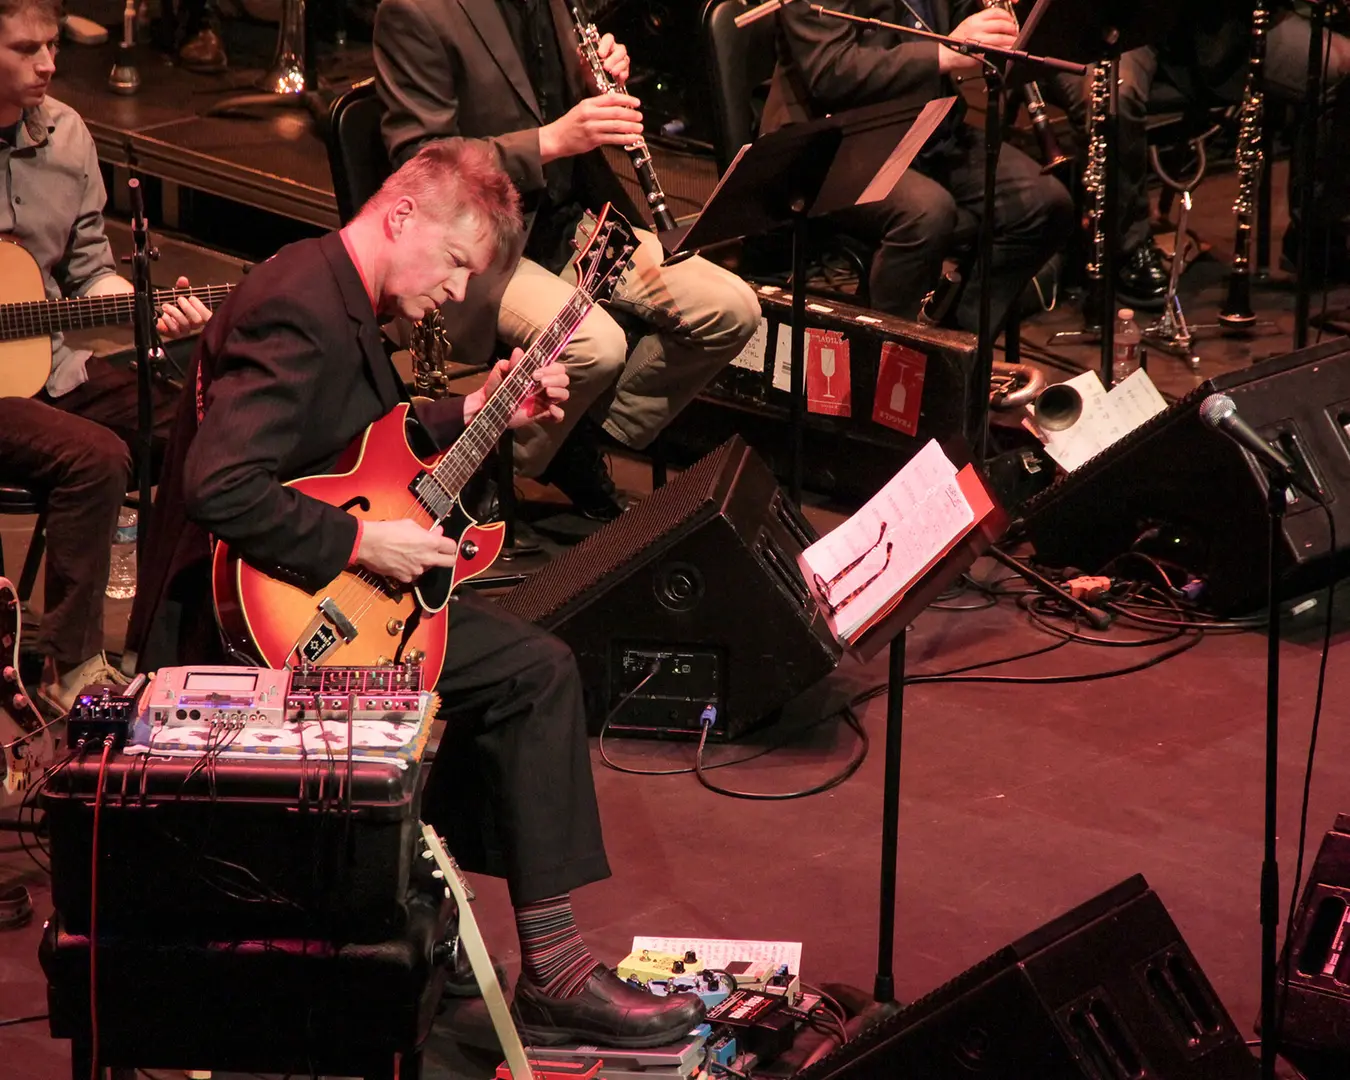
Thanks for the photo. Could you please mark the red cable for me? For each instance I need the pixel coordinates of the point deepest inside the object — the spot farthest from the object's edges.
(95, 1070)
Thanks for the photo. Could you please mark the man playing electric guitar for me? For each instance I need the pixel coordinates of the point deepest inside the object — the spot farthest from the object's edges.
(70, 441)
(289, 374)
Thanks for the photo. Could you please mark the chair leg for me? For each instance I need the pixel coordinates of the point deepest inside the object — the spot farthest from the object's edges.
(36, 547)
(657, 452)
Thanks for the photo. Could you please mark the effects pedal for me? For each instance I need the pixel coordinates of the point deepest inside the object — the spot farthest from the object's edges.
(711, 986)
(181, 696)
(644, 965)
(103, 710)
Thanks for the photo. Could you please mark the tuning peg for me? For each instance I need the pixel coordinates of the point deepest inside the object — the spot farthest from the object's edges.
(439, 875)
(20, 703)
(10, 674)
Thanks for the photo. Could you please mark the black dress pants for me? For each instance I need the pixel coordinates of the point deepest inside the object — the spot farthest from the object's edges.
(511, 790)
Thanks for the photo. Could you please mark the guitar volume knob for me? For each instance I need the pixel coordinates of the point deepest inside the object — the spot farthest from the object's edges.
(468, 549)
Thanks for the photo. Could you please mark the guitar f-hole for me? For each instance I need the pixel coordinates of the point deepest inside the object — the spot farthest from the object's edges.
(358, 501)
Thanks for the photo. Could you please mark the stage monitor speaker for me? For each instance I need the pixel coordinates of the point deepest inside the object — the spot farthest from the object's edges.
(1108, 991)
(1315, 1035)
(691, 598)
(1181, 491)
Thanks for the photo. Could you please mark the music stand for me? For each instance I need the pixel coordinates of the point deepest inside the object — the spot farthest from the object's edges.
(889, 630)
(1091, 34)
(801, 172)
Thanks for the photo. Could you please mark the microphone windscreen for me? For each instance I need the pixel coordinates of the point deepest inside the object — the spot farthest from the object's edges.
(1216, 408)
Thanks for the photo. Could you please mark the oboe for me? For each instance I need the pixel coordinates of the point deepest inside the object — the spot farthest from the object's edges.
(588, 38)
(1236, 313)
(1051, 152)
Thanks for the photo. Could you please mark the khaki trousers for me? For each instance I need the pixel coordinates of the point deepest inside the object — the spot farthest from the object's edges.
(697, 318)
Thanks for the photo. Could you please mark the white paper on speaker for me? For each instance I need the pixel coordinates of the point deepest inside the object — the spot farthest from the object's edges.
(1107, 417)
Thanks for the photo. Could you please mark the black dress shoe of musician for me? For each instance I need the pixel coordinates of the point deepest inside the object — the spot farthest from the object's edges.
(580, 472)
(461, 982)
(1142, 277)
(607, 1012)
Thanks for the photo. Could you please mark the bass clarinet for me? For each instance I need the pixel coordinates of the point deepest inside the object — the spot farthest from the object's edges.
(1236, 313)
(1052, 154)
(588, 40)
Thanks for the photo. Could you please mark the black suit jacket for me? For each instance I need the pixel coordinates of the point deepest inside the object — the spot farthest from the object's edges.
(827, 65)
(450, 68)
(288, 373)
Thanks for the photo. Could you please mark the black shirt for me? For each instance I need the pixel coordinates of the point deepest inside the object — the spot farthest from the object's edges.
(557, 208)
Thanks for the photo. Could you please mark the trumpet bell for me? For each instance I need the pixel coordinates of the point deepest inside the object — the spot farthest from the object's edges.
(1057, 407)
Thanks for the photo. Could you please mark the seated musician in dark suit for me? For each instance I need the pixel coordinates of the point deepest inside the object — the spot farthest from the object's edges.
(289, 373)
(70, 441)
(828, 65)
(496, 70)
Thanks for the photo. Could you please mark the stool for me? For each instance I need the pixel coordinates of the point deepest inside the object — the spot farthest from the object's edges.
(15, 499)
(273, 1006)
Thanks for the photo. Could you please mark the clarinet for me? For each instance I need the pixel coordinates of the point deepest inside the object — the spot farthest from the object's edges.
(1236, 313)
(588, 38)
(1051, 152)
(1094, 187)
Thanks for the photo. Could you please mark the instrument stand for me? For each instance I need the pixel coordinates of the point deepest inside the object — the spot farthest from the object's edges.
(1307, 157)
(292, 80)
(147, 353)
(1170, 333)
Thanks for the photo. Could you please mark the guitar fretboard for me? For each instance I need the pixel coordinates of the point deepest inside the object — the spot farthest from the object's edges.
(452, 472)
(40, 318)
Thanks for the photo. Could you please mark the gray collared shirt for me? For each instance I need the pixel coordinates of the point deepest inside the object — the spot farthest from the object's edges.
(51, 202)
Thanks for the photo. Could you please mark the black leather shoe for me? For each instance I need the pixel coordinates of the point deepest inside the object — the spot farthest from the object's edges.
(460, 981)
(579, 471)
(607, 1012)
(1142, 277)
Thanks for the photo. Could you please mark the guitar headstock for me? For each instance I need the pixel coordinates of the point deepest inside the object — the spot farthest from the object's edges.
(606, 254)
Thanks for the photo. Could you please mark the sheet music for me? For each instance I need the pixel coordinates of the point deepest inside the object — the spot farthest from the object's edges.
(906, 150)
(878, 553)
(719, 952)
(1107, 417)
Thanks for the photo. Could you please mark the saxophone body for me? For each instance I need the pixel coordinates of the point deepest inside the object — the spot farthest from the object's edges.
(588, 40)
(1237, 313)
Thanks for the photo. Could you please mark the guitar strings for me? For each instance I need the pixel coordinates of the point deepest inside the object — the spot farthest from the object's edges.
(31, 318)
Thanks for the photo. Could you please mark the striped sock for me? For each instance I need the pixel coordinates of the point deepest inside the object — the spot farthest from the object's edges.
(552, 955)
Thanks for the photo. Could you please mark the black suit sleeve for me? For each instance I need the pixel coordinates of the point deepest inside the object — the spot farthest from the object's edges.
(257, 408)
(844, 67)
(415, 74)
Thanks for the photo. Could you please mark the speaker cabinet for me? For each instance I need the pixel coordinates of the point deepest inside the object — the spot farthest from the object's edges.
(1315, 1035)
(691, 598)
(1108, 991)
(1187, 493)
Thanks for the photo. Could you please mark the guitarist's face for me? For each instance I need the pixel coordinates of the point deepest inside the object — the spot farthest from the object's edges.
(432, 263)
(27, 60)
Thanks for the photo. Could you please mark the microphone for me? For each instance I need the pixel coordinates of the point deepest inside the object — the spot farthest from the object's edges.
(758, 12)
(1220, 412)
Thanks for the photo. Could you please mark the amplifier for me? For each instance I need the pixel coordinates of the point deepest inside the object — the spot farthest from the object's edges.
(878, 388)
(286, 846)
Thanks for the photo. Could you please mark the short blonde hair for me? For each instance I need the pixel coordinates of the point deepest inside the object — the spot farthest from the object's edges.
(455, 178)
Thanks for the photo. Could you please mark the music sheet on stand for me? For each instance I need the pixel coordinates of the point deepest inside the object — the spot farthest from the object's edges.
(892, 539)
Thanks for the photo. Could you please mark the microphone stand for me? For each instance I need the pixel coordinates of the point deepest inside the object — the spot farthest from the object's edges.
(143, 321)
(978, 422)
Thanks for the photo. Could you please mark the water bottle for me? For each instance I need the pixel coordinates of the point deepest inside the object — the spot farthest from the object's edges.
(122, 573)
(1126, 359)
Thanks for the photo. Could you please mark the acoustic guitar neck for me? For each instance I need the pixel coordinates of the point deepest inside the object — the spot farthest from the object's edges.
(41, 318)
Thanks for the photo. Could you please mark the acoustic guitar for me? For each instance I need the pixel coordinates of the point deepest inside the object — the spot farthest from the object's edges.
(361, 618)
(28, 319)
(27, 746)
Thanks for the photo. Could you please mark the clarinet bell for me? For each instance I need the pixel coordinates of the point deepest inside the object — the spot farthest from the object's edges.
(124, 78)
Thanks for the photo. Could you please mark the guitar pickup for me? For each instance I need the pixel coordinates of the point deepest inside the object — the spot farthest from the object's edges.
(334, 615)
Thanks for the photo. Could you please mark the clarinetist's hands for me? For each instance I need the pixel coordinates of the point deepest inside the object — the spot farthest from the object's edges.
(992, 26)
(614, 59)
(607, 120)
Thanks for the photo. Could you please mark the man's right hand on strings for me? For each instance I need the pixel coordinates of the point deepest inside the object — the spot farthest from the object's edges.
(992, 26)
(403, 549)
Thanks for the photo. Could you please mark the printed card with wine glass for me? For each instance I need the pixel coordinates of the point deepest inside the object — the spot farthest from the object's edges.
(829, 382)
(862, 571)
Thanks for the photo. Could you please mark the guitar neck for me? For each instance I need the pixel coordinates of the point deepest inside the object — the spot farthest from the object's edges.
(471, 448)
(40, 318)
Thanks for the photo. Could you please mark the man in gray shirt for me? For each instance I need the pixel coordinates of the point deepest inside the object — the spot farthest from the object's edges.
(69, 442)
